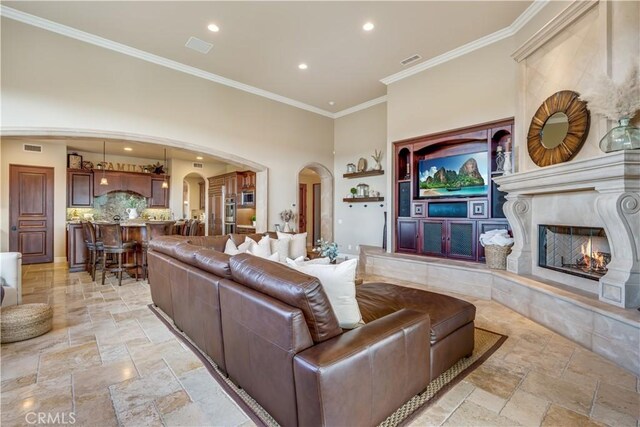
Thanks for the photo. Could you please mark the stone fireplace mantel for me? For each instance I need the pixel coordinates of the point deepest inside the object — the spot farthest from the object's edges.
(569, 194)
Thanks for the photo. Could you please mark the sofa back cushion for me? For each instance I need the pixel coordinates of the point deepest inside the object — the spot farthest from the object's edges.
(213, 262)
(290, 287)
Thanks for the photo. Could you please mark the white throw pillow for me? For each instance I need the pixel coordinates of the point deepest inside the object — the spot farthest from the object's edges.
(316, 261)
(262, 248)
(338, 281)
(297, 245)
(230, 248)
(273, 257)
(281, 246)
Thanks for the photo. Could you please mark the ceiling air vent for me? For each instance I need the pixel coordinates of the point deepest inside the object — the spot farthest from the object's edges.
(410, 59)
(198, 45)
(32, 148)
(198, 165)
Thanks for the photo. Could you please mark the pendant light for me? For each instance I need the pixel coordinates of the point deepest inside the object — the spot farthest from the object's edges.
(165, 184)
(103, 180)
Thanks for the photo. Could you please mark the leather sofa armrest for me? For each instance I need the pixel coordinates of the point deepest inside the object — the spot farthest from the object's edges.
(362, 376)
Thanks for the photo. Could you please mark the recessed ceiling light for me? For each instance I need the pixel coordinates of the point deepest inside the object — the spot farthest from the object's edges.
(303, 66)
(213, 27)
(332, 103)
(199, 158)
(128, 149)
(368, 26)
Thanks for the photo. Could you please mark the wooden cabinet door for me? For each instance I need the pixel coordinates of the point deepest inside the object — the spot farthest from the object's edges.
(408, 234)
(231, 184)
(76, 248)
(216, 214)
(202, 195)
(433, 239)
(159, 196)
(31, 195)
(461, 239)
(79, 189)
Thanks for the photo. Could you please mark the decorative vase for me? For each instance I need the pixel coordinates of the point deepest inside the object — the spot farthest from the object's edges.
(253, 223)
(132, 212)
(377, 166)
(622, 137)
(287, 229)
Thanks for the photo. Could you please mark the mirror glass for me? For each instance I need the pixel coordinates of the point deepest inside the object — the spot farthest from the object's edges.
(554, 130)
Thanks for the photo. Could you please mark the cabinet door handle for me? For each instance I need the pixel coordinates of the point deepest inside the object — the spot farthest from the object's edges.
(14, 228)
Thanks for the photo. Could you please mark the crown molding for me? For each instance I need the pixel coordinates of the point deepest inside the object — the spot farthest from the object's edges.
(487, 40)
(359, 107)
(568, 16)
(74, 33)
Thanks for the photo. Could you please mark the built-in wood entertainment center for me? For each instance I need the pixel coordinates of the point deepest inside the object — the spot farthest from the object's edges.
(445, 197)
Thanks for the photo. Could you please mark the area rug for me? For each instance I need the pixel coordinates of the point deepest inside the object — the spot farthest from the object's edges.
(486, 343)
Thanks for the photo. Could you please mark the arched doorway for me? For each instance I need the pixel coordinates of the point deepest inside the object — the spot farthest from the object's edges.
(310, 176)
(193, 196)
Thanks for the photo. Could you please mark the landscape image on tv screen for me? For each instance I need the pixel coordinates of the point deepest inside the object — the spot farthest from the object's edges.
(463, 175)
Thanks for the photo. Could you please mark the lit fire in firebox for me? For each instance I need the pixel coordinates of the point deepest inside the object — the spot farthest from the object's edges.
(593, 261)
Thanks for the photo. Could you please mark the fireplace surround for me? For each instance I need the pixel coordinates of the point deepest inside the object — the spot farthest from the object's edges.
(601, 192)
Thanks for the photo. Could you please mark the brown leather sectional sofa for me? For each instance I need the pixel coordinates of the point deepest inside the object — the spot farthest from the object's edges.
(272, 330)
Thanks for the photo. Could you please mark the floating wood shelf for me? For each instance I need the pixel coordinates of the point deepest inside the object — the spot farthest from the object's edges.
(363, 174)
(363, 199)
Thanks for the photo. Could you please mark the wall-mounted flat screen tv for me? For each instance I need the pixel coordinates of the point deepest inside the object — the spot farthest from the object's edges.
(462, 175)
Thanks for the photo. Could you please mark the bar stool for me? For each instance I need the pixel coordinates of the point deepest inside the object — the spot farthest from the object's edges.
(94, 246)
(153, 230)
(193, 228)
(112, 244)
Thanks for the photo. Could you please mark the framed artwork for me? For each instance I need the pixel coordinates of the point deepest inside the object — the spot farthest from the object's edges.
(74, 161)
(478, 209)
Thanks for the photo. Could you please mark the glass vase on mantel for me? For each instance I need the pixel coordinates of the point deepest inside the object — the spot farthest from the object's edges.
(622, 137)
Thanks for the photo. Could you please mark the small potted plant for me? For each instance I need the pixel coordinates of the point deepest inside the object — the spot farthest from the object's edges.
(353, 192)
(328, 249)
(253, 220)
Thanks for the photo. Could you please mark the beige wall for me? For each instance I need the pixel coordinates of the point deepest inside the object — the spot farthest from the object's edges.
(606, 38)
(358, 135)
(52, 155)
(309, 177)
(50, 81)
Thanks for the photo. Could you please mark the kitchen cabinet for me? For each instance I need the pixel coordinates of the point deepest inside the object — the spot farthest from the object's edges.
(216, 206)
(231, 185)
(159, 196)
(76, 248)
(247, 180)
(79, 189)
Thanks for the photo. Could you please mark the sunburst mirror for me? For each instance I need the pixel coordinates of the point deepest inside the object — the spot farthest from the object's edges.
(558, 129)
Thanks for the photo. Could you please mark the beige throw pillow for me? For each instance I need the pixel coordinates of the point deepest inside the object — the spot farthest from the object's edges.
(338, 281)
(297, 244)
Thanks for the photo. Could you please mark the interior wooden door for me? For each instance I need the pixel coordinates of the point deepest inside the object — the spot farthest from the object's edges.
(317, 214)
(31, 213)
(302, 209)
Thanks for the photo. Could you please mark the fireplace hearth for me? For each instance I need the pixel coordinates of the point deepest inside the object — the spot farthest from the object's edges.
(580, 251)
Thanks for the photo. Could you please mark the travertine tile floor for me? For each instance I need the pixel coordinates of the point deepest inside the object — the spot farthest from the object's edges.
(110, 361)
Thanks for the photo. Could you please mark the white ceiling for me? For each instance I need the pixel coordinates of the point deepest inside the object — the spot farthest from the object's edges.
(261, 43)
(115, 147)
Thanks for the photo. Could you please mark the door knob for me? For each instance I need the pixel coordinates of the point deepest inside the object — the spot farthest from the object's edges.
(14, 228)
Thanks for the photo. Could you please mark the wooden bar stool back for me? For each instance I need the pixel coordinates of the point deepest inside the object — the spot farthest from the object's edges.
(94, 247)
(112, 243)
